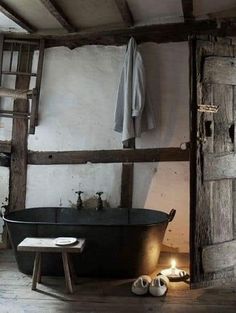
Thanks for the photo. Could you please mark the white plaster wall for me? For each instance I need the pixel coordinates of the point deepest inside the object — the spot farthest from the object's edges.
(77, 99)
(56, 185)
(162, 187)
(77, 105)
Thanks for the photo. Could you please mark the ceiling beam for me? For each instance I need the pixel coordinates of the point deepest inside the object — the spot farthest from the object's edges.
(187, 6)
(160, 33)
(125, 12)
(57, 12)
(15, 17)
(154, 33)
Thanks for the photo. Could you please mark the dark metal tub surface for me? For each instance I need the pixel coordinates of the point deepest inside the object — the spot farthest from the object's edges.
(119, 242)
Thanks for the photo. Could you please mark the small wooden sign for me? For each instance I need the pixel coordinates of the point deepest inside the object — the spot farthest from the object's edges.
(209, 108)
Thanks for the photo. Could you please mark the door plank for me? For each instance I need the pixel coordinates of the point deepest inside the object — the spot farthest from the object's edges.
(214, 198)
(220, 70)
(219, 256)
(220, 166)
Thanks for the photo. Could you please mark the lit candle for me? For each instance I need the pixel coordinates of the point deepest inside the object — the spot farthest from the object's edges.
(173, 267)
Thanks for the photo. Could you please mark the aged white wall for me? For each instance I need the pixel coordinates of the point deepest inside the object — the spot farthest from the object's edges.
(77, 99)
(57, 184)
(77, 105)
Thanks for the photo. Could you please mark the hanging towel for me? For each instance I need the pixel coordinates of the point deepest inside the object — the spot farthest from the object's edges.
(134, 113)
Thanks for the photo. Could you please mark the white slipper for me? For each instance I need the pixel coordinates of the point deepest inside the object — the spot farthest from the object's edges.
(141, 285)
(159, 286)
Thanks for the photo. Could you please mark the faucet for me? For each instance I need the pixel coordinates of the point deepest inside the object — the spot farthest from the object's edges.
(99, 201)
(4, 208)
(79, 203)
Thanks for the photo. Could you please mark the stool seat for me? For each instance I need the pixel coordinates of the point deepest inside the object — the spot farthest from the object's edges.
(40, 245)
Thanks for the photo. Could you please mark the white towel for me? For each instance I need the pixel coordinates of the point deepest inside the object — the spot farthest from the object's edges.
(134, 113)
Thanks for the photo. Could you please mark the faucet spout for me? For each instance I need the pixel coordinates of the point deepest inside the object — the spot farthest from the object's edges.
(99, 201)
(79, 204)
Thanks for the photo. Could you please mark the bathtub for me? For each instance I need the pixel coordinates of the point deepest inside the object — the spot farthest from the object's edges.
(119, 242)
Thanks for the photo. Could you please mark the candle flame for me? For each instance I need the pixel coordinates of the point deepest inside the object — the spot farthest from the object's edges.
(173, 263)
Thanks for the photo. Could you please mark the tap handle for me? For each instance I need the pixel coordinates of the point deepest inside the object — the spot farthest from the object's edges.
(79, 192)
(99, 193)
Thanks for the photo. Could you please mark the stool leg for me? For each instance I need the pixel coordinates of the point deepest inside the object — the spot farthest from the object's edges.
(67, 272)
(72, 270)
(39, 269)
(35, 271)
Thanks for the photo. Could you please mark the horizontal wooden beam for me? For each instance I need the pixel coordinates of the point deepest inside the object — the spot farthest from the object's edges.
(156, 33)
(108, 156)
(125, 12)
(12, 15)
(57, 12)
(219, 256)
(5, 146)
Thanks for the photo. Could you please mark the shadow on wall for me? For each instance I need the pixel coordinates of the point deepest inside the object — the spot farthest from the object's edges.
(167, 78)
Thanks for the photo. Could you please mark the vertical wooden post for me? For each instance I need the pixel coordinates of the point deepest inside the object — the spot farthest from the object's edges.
(126, 198)
(1, 56)
(36, 90)
(193, 151)
(18, 168)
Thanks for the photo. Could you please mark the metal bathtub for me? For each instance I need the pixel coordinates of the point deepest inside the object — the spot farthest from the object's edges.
(119, 242)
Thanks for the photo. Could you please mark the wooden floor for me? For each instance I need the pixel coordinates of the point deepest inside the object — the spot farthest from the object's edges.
(103, 295)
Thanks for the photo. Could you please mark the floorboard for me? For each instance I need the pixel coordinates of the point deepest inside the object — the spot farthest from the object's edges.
(105, 295)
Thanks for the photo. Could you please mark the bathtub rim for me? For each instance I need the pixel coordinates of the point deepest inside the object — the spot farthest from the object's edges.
(169, 218)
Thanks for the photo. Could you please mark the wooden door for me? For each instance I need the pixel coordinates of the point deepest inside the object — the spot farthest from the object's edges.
(213, 161)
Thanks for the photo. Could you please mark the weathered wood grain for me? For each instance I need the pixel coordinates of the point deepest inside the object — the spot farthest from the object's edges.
(53, 7)
(173, 32)
(213, 213)
(219, 256)
(220, 70)
(125, 12)
(108, 156)
(220, 166)
(48, 245)
(127, 185)
(18, 168)
(105, 295)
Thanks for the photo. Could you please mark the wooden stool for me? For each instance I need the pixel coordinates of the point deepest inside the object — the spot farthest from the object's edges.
(40, 245)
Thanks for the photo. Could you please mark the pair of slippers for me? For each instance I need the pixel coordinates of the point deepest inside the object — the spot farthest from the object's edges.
(157, 287)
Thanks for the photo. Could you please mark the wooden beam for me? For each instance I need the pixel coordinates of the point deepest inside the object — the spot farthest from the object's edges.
(155, 33)
(219, 256)
(18, 168)
(127, 177)
(108, 156)
(5, 146)
(125, 12)
(193, 156)
(174, 32)
(36, 90)
(57, 12)
(127, 185)
(12, 15)
(187, 6)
